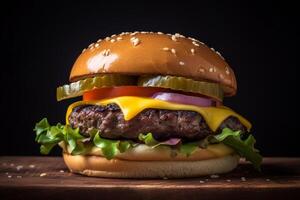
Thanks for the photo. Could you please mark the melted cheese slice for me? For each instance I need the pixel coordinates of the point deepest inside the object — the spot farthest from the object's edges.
(131, 106)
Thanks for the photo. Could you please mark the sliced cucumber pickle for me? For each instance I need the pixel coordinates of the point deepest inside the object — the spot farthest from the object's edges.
(79, 87)
(213, 90)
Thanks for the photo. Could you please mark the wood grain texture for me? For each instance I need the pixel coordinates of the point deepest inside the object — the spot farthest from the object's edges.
(20, 178)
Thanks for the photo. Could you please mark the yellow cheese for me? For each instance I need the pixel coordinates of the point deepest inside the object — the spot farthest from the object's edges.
(131, 106)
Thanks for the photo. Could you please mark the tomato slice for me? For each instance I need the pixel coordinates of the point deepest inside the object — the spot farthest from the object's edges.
(111, 92)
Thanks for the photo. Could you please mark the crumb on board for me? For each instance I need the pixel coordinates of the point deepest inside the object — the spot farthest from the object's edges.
(214, 176)
(43, 174)
(31, 166)
(243, 179)
(201, 181)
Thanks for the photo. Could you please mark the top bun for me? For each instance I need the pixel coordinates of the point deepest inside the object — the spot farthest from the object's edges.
(148, 53)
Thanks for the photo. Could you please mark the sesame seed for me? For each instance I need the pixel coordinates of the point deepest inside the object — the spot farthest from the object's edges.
(214, 176)
(211, 69)
(160, 33)
(166, 49)
(151, 32)
(91, 45)
(119, 38)
(202, 70)
(122, 34)
(61, 171)
(169, 34)
(201, 181)
(179, 35)
(133, 38)
(227, 70)
(195, 43)
(181, 63)
(173, 51)
(107, 38)
(43, 174)
(221, 76)
(193, 51)
(113, 35)
(228, 180)
(19, 176)
(214, 69)
(99, 40)
(31, 166)
(106, 52)
(144, 32)
(212, 49)
(9, 176)
(19, 167)
(96, 45)
(243, 179)
(134, 33)
(83, 50)
(135, 41)
(112, 40)
(219, 55)
(174, 38)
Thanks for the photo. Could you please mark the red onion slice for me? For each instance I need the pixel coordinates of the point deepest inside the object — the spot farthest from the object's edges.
(184, 99)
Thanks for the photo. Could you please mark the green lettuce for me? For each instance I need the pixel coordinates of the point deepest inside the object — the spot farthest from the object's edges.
(50, 136)
(243, 147)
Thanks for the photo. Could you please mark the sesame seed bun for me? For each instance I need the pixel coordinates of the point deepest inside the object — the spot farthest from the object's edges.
(148, 53)
(117, 168)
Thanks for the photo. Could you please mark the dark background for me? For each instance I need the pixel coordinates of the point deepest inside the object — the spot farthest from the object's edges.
(40, 42)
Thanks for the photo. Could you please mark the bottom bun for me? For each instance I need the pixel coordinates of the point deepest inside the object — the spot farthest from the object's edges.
(116, 168)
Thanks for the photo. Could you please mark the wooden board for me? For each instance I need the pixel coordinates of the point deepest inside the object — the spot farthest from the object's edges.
(48, 178)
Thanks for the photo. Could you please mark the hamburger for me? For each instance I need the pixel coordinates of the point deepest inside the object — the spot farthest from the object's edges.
(151, 107)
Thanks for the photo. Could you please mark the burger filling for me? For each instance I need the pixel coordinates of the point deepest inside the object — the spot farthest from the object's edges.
(163, 124)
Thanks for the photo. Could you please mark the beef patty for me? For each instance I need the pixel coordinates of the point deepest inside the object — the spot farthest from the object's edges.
(163, 124)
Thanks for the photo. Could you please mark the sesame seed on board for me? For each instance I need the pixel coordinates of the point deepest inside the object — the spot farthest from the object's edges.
(43, 174)
(165, 49)
(173, 51)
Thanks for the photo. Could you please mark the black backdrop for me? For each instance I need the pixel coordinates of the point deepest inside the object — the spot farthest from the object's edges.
(40, 42)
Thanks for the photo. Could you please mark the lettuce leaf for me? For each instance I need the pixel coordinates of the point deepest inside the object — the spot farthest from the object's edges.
(243, 147)
(50, 136)
(184, 148)
(110, 148)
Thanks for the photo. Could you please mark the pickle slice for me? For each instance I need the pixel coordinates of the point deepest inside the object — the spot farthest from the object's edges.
(79, 87)
(213, 90)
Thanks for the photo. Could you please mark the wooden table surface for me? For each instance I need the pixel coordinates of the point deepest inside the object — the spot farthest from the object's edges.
(48, 178)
